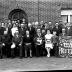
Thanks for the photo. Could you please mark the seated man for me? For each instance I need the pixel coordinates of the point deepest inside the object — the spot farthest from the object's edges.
(38, 40)
(17, 42)
(28, 43)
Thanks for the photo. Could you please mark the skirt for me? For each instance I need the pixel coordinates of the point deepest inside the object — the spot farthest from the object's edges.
(49, 45)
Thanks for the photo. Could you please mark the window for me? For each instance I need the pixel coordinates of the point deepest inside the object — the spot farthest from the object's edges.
(66, 16)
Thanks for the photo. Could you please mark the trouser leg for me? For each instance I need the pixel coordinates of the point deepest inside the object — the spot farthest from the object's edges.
(12, 53)
(37, 50)
(8, 51)
(30, 47)
(26, 51)
(1, 53)
(41, 50)
(37, 54)
(30, 53)
(20, 51)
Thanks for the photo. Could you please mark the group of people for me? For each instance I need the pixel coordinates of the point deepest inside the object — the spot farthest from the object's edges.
(32, 39)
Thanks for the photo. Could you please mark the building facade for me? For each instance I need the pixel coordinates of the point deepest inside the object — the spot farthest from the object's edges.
(36, 10)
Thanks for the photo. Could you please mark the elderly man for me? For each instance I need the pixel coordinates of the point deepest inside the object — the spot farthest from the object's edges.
(56, 28)
(46, 25)
(50, 27)
(32, 33)
(36, 24)
(27, 41)
(38, 40)
(63, 32)
(23, 20)
(31, 29)
(69, 29)
(33, 24)
(22, 30)
(41, 23)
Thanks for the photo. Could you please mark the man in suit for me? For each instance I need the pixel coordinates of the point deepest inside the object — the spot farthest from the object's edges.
(32, 33)
(31, 29)
(22, 30)
(2, 29)
(50, 27)
(27, 42)
(38, 41)
(69, 29)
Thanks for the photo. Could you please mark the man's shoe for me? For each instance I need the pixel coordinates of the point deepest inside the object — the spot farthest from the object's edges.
(30, 56)
(20, 57)
(25, 56)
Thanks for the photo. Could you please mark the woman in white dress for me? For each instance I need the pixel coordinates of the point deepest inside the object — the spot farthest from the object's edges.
(48, 42)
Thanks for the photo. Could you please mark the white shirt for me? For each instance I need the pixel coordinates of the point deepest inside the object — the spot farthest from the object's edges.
(48, 43)
(48, 38)
(13, 30)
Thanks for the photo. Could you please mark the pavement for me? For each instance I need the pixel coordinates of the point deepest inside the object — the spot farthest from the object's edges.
(35, 64)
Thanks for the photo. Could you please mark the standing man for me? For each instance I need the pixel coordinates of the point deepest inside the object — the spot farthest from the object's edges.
(7, 40)
(46, 25)
(63, 32)
(55, 41)
(58, 29)
(50, 27)
(31, 29)
(22, 30)
(2, 48)
(2, 29)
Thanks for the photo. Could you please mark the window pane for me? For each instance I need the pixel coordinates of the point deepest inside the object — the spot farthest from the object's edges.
(64, 18)
(71, 18)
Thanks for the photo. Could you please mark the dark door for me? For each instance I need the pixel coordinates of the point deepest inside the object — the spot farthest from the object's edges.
(18, 14)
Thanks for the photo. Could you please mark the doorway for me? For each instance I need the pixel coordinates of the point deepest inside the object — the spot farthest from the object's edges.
(18, 14)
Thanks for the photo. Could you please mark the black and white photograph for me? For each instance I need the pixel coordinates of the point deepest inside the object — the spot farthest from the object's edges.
(35, 35)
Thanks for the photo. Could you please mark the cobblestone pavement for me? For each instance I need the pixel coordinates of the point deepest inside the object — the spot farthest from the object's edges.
(35, 64)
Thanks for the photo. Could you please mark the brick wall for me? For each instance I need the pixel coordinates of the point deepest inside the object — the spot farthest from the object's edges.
(49, 10)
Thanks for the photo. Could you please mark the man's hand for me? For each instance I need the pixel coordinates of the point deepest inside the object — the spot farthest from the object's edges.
(19, 44)
(3, 44)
